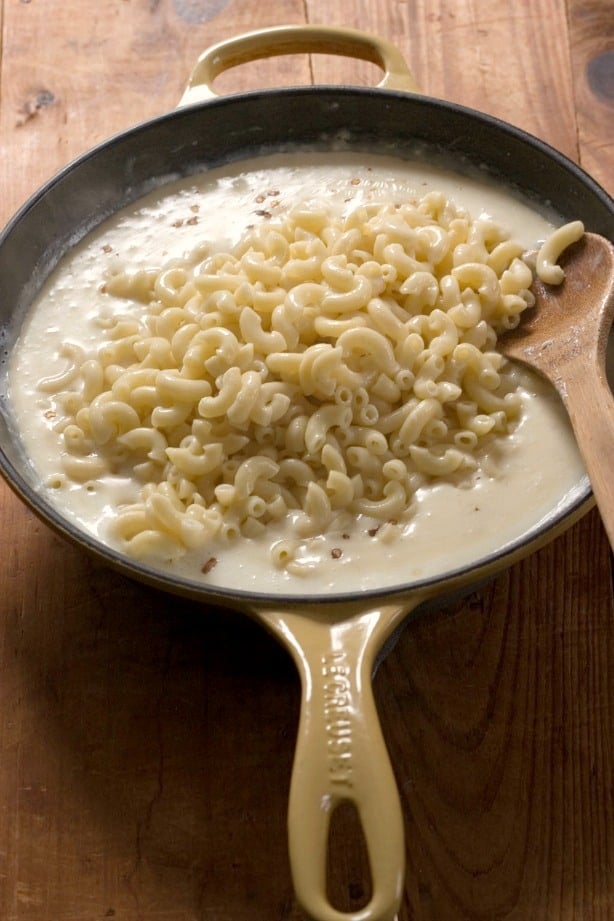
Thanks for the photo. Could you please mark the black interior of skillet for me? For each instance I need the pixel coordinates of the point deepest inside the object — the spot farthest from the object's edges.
(238, 127)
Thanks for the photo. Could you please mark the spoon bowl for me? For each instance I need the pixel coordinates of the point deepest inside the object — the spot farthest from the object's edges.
(564, 337)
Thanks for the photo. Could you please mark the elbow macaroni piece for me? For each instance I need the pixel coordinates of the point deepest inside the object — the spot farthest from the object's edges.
(327, 364)
(550, 251)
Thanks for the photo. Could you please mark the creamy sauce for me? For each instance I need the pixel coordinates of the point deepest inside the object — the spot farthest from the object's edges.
(451, 526)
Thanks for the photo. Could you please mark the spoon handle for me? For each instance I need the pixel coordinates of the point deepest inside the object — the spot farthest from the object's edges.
(590, 406)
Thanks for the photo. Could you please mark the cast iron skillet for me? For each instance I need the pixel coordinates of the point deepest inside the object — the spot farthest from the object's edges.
(334, 640)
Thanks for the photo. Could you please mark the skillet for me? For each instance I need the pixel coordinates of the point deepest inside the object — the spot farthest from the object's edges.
(335, 641)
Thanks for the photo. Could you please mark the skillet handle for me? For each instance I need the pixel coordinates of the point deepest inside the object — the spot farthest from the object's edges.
(264, 43)
(341, 757)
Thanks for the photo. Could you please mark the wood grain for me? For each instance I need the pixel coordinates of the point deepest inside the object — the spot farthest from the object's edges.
(500, 61)
(79, 73)
(500, 692)
(146, 742)
(592, 60)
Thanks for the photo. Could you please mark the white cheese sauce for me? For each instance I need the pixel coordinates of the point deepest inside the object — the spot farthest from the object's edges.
(451, 526)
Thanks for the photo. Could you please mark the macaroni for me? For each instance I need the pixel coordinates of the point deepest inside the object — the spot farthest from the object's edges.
(324, 366)
(558, 241)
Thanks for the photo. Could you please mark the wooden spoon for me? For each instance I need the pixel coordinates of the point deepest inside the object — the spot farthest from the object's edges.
(564, 337)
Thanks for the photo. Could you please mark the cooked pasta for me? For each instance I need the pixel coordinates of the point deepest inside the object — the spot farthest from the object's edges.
(326, 365)
(549, 253)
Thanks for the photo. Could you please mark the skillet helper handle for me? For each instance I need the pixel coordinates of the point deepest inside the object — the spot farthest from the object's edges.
(341, 757)
(297, 39)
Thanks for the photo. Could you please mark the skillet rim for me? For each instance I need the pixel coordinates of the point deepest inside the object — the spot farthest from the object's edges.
(537, 536)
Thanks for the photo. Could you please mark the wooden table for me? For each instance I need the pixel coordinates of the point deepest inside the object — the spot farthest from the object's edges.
(146, 744)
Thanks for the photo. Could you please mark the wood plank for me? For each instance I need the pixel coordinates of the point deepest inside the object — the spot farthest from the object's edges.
(128, 748)
(592, 59)
(89, 749)
(497, 703)
(86, 72)
(501, 61)
(448, 876)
